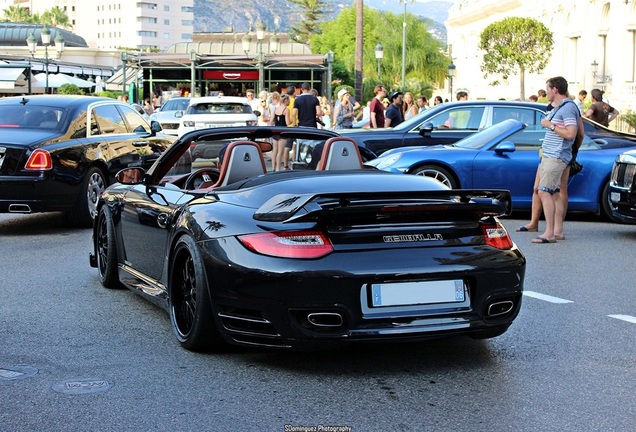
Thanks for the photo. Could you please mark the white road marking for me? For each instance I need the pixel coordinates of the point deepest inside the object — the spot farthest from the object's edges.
(545, 297)
(628, 318)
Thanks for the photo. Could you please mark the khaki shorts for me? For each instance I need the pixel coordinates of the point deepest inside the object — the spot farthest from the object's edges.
(550, 175)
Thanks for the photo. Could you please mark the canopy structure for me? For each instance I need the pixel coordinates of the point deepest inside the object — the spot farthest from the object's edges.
(13, 78)
(58, 80)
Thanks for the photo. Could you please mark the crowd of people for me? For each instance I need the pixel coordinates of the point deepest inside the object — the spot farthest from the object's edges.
(309, 109)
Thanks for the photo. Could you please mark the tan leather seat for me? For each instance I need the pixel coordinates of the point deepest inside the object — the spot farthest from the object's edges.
(243, 159)
(340, 153)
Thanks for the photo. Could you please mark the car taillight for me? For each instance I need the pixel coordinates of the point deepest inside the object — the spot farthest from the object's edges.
(496, 236)
(39, 160)
(289, 244)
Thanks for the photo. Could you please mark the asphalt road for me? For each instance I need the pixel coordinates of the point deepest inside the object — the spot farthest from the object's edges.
(77, 357)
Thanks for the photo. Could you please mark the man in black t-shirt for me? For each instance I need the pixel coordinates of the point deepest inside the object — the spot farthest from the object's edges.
(307, 107)
(393, 115)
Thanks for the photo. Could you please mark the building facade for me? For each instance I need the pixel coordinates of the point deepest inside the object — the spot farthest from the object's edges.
(594, 46)
(112, 24)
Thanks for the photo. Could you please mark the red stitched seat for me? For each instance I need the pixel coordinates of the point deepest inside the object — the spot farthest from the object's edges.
(340, 153)
(243, 159)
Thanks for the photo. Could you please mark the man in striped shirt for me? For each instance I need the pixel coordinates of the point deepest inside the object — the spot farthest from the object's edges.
(561, 124)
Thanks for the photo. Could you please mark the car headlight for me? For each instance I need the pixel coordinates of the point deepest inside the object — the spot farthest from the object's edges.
(388, 161)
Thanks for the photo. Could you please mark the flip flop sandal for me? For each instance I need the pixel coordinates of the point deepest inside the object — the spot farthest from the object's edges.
(541, 240)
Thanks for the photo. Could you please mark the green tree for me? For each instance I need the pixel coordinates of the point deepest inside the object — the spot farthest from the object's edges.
(426, 64)
(17, 14)
(55, 17)
(515, 46)
(313, 12)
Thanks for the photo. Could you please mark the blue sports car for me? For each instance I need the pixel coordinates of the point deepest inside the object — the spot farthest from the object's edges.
(506, 156)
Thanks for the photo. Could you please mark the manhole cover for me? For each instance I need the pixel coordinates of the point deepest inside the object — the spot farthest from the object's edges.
(12, 373)
(83, 386)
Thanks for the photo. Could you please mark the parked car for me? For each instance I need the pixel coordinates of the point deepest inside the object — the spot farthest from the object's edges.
(435, 126)
(58, 153)
(506, 156)
(166, 114)
(142, 112)
(623, 187)
(305, 259)
(213, 112)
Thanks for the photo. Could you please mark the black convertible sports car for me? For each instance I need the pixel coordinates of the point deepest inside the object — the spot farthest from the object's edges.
(58, 153)
(303, 259)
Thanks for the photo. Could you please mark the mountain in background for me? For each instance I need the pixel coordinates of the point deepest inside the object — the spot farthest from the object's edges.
(279, 15)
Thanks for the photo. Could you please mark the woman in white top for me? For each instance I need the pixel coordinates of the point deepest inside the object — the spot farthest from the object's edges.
(274, 101)
(409, 109)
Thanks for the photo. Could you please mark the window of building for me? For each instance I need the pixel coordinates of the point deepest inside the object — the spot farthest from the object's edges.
(166, 8)
(187, 9)
(166, 35)
(187, 23)
(166, 21)
(187, 36)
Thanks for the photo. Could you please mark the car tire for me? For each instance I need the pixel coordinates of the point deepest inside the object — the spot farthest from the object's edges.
(436, 172)
(85, 209)
(489, 333)
(606, 204)
(190, 308)
(106, 249)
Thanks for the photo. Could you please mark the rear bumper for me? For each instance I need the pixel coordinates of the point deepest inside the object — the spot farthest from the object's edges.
(35, 194)
(309, 309)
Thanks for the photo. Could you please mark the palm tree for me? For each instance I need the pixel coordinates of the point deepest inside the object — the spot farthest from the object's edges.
(55, 17)
(16, 14)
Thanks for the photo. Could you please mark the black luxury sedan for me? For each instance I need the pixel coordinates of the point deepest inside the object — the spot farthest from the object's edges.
(58, 153)
(450, 122)
(622, 187)
(306, 259)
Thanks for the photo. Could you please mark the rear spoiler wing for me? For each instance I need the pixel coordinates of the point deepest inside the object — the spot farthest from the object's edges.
(308, 207)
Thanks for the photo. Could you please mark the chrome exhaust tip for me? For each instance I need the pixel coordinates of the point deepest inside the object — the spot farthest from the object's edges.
(500, 308)
(19, 208)
(325, 319)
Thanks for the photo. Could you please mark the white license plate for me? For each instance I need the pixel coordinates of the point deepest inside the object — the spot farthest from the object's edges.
(417, 293)
(615, 196)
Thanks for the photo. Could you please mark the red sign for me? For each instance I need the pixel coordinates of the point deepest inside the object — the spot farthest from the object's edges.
(230, 75)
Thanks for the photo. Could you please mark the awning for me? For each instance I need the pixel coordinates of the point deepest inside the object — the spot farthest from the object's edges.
(9, 76)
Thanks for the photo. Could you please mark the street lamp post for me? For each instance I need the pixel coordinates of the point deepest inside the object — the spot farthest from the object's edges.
(404, 47)
(329, 69)
(45, 36)
(261, 56)
(451, 75)
(124, 61)
(379, 54)
(260, 35)
(193, 59)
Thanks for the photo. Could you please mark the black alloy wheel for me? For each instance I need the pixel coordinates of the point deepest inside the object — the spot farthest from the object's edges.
(106, 249)
(190, 308)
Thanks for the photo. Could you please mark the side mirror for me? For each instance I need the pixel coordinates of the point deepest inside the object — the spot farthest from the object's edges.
(131, 176)
(257, 113)
(155, 126)
(265, 146)
(178, 114)
(426, 128)
(505, 147)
